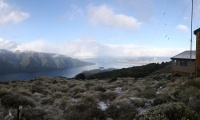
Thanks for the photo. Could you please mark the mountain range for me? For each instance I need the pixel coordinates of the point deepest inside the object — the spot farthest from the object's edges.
(31, 61)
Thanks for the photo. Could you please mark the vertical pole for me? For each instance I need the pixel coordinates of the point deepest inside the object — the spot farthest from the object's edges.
(191, 43)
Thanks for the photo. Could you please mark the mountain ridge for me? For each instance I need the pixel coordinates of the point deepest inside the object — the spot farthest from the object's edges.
(31, 61)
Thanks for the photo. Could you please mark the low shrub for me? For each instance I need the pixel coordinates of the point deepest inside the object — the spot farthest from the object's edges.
(113, 79)
(138, 102)
(159, 84)
(148, 92)
(107, 96)
(47, 100)
(80, 76)
(91, 99)
(57, 95)
(99, 88)
(63, 104)
(77, 89)
(38, 89)
(84, 111)
(121, 111)
(191, 97)
(194, 83)
(89, 84)
(161, 99)
(170, 111)
(4, 91)
(13, 101)
(26, 93)
(33, 114)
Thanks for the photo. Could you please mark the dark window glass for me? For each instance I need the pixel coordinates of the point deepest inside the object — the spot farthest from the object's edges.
(183, 62)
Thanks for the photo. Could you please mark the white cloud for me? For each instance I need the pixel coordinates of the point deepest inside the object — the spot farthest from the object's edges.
(7, 44)
(9, 13)
(89, 47)
(182, 27)
(105, 15)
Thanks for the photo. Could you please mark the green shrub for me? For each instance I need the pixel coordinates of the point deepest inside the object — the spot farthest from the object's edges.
(15, 100)
(77, 89)
(138, 102)
(84, 111)
(4, 91)
(170, 111)
(88, 84)
(26, 93)
(193, 83)
(121, 111)
(113, 79)
(48, 100)
(63, 104)
(163, 83)
(57, 95)
(107, 96)
(80, 76)
(33, 114)
(148, 92)
(99, 88)
(89, 99)
(161, 99)
(191, 97)
(38, 89)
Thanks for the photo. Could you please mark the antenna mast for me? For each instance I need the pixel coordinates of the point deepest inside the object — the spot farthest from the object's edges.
(191, 43)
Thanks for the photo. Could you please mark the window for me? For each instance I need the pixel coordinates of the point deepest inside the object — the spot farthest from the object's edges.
(183, 62)
(176, 62)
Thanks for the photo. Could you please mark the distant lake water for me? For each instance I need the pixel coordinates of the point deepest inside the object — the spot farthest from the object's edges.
(68, 72)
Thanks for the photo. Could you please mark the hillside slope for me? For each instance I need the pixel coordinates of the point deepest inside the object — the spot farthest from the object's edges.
(138, 71)
(30, 61)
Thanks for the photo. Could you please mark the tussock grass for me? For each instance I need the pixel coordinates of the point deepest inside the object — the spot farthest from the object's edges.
(148, 92)
(47, 101)
(84, 111)
(61, 98)
(121, 111)
(34, 113)
(57, 95)
(14, 100)
(171, 111)
(107, 96)
(99, 88)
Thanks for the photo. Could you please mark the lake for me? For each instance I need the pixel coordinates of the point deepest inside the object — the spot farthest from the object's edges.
(68, 72)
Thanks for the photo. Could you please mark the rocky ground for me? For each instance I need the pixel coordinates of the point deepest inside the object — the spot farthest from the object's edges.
(156, 97)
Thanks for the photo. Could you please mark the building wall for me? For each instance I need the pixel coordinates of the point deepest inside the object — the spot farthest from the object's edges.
(198, 50)
(178, 68)
(198, 53)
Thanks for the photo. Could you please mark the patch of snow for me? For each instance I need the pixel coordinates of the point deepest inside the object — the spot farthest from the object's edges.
(102, 106)
(118, 89)
(126, 100)
(135, 98)
(160, 88)
(142, 110)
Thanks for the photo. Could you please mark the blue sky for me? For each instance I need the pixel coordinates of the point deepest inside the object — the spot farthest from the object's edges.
(96, 28)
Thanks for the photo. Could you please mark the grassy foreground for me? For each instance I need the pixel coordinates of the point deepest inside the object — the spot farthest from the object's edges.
(155, 97)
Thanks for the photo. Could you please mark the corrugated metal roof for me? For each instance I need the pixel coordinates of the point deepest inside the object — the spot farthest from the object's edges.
(185, 55)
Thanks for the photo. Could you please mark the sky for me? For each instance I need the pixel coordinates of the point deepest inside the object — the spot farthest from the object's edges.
(99, 28)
